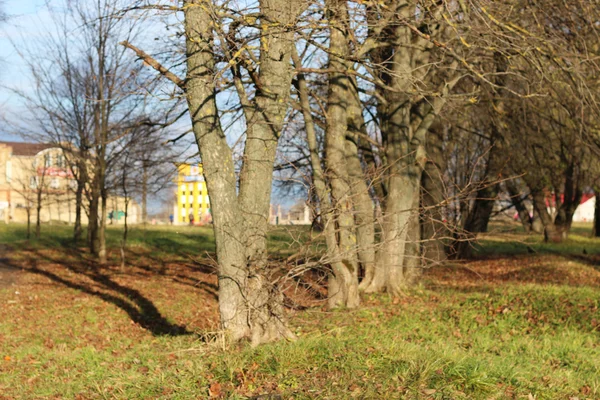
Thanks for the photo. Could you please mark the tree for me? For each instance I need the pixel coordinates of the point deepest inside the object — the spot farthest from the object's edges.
(249, 306)
(89, 98)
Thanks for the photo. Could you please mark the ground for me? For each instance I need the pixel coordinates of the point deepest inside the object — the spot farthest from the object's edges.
(522, 320)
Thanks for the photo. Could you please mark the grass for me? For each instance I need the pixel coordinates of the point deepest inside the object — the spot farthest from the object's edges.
(503, 326)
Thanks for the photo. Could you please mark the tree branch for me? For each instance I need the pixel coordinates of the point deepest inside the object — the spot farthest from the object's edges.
(148, 59)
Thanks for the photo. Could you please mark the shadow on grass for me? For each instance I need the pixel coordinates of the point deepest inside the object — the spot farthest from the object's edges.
(139, 308)
(489, 274)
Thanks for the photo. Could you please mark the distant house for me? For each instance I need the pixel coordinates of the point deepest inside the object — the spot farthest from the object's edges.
(40, 171)
(585, 211)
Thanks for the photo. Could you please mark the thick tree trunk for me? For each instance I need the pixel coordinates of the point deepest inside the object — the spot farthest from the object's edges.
(93, 218)
(433, 229)
(249, 306)
(552, 233)
(413, 263)
(568, 205)
(536, 224)
(335, 150)
(396, 226)
(363, 204)
(340, 282)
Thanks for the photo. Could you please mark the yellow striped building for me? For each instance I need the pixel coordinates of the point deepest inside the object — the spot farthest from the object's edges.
(192, 196)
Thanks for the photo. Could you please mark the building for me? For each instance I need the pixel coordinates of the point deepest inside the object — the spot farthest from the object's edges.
(298, 214)
(192, 205)
(32, 173)
(585, 210)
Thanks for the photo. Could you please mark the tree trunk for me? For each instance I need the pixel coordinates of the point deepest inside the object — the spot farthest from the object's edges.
(335, 152)
(93, 218)
(144, 193)
(536, 224)
(568, 205)
(551, 232)
(38, 211)
(77, 230)
(363, 204)
(413, 265)
(596, 228)
(340, 293)
(433, 229)
(125, 227)
(517, 200)
(28, 221)
(102, 229)
(250, 307)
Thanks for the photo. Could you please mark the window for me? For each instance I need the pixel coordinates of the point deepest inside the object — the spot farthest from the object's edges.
(73, 184)
(33, 182)
(54, 183)
(60, 161)
(191, 199)
(207, 200)
(190, 187)
(183, 213)
(47, 160)
(182, 199)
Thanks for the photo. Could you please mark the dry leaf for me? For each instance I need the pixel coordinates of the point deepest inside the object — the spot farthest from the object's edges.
(214, 389)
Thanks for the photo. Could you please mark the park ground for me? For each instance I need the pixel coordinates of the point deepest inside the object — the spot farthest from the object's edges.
(520, 321)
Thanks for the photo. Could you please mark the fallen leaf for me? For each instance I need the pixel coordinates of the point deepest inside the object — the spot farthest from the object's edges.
(7, 358)
(214, 389)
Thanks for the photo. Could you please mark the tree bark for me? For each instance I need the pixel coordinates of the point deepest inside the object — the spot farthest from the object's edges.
(144, 192)
(38, 211)
(551, 231)
(433, 229)
(77, 230)
(335, 149)
(340, 280)
(596, 228)
(250, 307)
(28, 220)
(102, 228)
(363, 204)
(517, 200)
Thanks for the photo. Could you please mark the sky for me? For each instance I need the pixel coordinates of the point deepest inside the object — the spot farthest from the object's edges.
(29, 19)
(25, 20)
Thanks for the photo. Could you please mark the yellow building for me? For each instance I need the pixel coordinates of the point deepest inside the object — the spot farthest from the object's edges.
(192, 196)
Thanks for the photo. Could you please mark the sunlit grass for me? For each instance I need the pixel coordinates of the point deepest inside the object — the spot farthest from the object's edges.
(494, 331)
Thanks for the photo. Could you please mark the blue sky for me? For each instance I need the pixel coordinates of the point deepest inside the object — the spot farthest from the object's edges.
(29, 19)
(26, 17)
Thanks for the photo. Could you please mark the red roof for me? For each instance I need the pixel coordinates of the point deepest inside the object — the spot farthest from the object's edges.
(26, 149)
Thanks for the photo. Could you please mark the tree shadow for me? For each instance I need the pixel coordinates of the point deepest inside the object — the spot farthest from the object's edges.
(139, 308)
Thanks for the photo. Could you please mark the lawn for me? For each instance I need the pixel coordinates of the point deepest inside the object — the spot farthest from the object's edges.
(522, 320)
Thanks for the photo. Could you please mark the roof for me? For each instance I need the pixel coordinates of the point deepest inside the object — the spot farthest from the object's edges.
(26, 149)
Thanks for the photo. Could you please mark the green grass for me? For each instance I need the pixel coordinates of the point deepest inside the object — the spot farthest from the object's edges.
(163, 240)
(449, 338)
(510, 240)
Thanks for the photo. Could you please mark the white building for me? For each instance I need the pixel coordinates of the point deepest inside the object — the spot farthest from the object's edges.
(585, 211)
